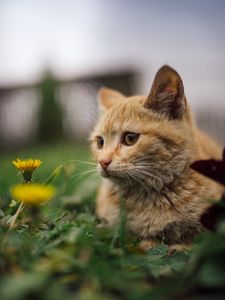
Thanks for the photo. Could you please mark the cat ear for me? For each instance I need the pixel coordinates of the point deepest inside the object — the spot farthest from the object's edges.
(108, 97)
(167, 94)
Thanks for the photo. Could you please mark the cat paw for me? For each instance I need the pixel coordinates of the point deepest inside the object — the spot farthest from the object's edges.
(178, 248)
(103, 223)
(146, 245)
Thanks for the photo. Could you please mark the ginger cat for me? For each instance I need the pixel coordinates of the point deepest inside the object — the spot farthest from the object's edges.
(143, 147)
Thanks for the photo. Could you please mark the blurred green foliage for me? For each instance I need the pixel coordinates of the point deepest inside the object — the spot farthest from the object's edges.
(60, 251)
(50, 112)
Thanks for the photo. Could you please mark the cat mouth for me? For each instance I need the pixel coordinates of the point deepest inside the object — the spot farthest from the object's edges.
(107, 173)
(104, 173)
(113, 175)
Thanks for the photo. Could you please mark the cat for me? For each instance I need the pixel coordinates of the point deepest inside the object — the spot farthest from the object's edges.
(144, 147)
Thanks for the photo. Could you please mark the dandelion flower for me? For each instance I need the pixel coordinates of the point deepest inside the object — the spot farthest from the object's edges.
(33, 193)
(27, 167)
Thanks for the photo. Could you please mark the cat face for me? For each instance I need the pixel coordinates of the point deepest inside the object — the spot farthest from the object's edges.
(144, 140)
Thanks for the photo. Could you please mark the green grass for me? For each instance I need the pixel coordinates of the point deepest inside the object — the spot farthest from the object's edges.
(60, 252)
(52, 156)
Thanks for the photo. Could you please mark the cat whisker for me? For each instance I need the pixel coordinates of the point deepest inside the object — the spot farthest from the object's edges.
(94, 175)
(81, 174)
(139, 180)
(82, 114)
(147, 178)
(144, 171)
(138, 175)
(73, 108)
(128, 179)
(80, 161)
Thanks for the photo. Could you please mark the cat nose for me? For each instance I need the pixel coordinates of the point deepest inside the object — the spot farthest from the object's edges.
(105, 163)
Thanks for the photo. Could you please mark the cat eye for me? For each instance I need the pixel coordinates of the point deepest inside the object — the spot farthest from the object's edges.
(100, 142)
(130, 138)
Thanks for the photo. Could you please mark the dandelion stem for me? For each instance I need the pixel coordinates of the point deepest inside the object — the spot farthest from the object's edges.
(14, 217)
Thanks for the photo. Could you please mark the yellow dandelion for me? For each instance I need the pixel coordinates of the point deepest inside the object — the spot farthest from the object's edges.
(27, 167)
(33, 193)
(27, 164)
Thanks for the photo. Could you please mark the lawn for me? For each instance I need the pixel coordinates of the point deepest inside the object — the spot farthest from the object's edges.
(59, 250)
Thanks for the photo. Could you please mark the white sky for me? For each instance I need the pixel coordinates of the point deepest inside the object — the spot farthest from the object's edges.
(82, 36)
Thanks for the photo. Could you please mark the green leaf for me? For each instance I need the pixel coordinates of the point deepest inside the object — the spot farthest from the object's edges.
(13, 203)
(18, 286)
(54, 175)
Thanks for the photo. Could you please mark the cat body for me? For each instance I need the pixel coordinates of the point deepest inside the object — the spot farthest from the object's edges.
(144, 147)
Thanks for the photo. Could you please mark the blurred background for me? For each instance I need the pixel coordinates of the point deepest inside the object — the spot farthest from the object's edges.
(56, 54)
